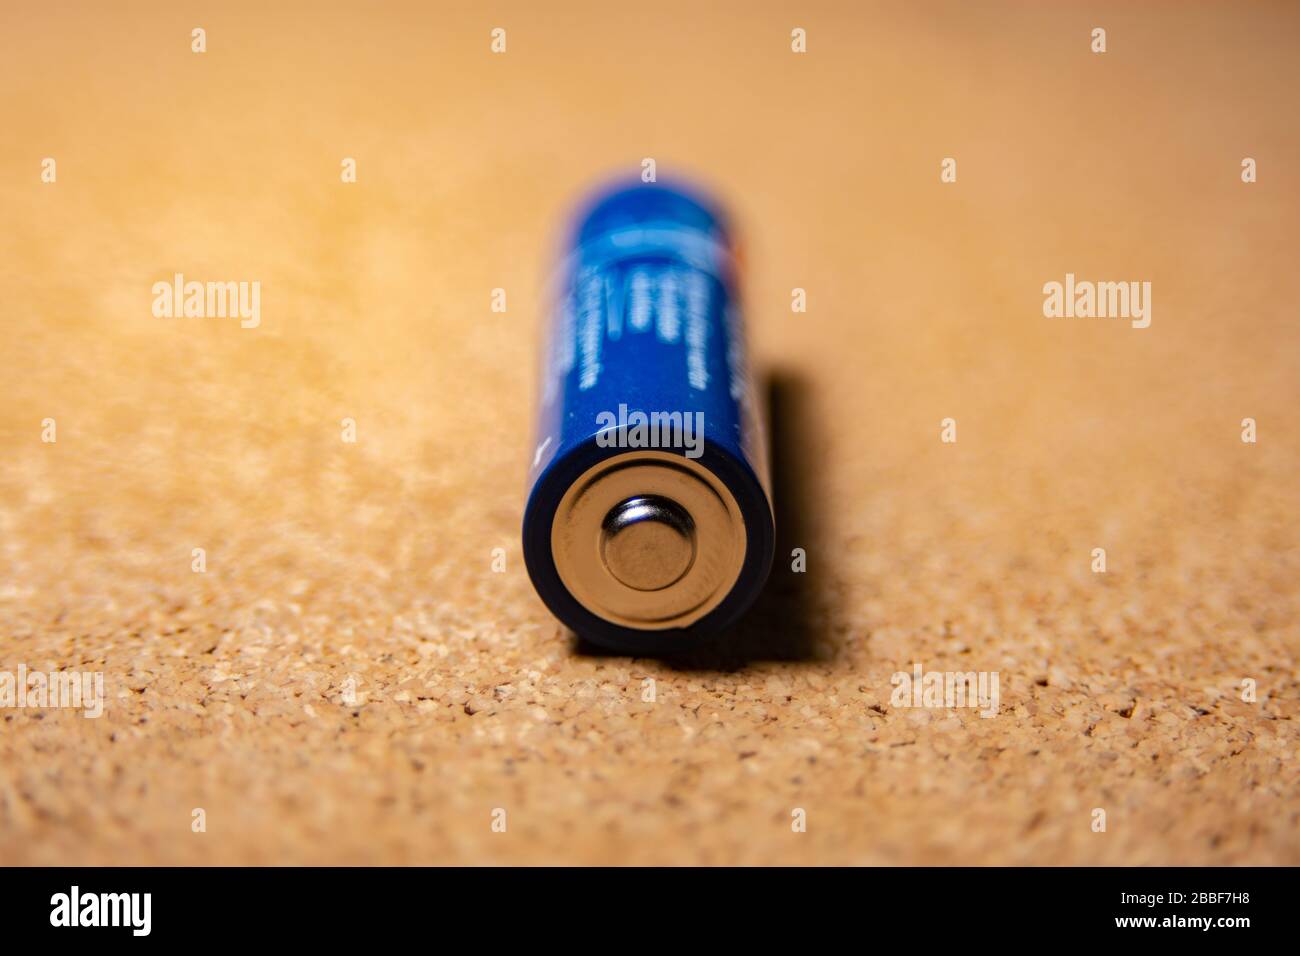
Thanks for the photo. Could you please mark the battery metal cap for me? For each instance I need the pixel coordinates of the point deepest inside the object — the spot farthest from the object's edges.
(648, 543)
(649, 540)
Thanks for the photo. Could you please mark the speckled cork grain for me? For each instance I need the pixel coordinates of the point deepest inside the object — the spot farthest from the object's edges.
(349, 681)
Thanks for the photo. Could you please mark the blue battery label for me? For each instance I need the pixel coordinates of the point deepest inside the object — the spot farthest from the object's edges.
(646, 333)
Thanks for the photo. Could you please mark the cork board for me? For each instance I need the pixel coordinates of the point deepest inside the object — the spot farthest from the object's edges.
(339, 674)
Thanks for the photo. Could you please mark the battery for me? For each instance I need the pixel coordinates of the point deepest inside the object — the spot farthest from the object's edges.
(648, 524)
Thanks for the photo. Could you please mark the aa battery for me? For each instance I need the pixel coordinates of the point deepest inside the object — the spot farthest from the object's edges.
(648, 523)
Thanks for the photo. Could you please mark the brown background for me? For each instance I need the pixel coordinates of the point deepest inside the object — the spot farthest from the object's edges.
(327, 559)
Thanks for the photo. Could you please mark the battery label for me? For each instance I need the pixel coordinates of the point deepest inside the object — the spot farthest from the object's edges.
(672, 304)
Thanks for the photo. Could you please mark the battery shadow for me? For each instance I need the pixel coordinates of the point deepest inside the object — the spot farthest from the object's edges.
(789, 621)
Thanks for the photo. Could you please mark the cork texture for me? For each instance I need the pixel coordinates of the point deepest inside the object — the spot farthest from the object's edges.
(356, 676)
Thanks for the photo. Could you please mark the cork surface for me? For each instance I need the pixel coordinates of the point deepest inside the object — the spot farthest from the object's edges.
(349, 680)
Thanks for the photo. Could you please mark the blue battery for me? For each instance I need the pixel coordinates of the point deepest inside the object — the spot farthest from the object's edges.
(649, 522)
